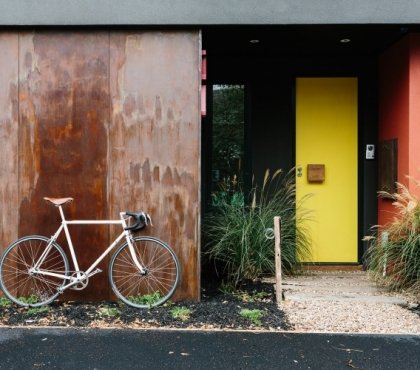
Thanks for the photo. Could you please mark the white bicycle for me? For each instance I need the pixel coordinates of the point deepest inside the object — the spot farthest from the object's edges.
(143, 272)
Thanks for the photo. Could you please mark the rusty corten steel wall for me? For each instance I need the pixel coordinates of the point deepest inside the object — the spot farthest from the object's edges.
(111, 119)
(63, 117)
(155, 138)
(8, 137)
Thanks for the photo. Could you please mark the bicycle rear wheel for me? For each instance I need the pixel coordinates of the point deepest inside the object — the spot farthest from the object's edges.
(25, 287)
(156, 285)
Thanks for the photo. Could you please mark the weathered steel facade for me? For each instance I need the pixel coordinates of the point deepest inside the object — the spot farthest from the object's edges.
(111, 119)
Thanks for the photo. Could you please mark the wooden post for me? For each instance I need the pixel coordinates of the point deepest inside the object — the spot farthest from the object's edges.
(277, 251)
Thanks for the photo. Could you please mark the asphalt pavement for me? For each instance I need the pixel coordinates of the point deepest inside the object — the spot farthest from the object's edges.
(101, 349)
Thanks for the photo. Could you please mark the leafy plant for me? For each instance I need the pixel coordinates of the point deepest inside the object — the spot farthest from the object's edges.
(4, 302)
(252, 315)
(252, 297)
(36, 310)
(109, 311)
(182, 313)
(32, 299)
(225, 195)
(236, 233)
(393, 257)
(147, 299)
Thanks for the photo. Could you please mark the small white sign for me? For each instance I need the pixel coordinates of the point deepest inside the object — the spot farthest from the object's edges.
(370, 151)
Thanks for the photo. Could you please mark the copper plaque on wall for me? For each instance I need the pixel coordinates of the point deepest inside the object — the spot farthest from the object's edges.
(316, 172)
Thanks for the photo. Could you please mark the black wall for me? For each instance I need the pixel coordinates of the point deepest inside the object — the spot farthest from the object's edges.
(270, 123)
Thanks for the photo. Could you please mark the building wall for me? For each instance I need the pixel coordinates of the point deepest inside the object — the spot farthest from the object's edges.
(111, 119)
(399, 111)
(414, 110)
(9, 72)
(200, 12)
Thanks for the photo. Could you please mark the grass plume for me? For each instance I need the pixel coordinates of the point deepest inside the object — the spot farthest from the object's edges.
(393, 257)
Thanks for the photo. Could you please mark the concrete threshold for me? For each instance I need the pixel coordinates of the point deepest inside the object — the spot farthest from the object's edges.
(308, 296)
(342, 286)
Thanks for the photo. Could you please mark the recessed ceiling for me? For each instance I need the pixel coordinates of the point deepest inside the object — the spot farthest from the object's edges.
(321, 40)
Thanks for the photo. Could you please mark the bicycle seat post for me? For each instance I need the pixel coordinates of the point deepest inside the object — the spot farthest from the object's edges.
(60, 208)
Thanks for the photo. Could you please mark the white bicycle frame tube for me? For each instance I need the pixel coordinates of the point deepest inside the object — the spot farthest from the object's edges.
(90, 270)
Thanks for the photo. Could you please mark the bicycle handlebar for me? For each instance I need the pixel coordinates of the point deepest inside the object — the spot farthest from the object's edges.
(141, 219)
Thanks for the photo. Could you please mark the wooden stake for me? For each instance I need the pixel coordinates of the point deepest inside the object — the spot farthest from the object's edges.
(277, 251)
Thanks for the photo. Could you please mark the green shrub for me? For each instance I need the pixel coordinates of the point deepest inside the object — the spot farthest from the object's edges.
(32, 299)
(393, 256)
(235, 233)
(33, 311)
(181, 313)
(107, 311)
(252, 315)
(4, 302)
(146, 299)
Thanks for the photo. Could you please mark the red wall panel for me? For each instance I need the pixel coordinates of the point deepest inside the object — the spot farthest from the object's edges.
(393, 110)
(414, 115)
(399, 110)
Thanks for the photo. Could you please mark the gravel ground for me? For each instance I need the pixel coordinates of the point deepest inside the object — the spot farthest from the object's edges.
(334, 316)
(356, 315)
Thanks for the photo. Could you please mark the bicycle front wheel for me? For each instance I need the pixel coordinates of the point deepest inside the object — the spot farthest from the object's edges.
(152, 287)
(18, 280)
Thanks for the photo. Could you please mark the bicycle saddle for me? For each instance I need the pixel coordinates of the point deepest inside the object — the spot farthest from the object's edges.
(58, 201)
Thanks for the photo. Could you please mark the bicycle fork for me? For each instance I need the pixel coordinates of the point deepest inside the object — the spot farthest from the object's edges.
(129, 239)
(142, 269)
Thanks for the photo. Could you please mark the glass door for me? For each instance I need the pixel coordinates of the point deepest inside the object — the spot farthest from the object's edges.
(228, 144)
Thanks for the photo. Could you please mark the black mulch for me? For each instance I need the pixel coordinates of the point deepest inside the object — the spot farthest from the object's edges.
(215, 310)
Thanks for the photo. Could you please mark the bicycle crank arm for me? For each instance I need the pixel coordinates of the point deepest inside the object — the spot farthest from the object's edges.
(94, 272)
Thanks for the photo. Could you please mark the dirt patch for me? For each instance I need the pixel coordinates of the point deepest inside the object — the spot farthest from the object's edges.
(252, 306)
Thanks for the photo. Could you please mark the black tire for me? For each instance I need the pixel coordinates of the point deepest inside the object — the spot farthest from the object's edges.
(154, 287)
(26, 288)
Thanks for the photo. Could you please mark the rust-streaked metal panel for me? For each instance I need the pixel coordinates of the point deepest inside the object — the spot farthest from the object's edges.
(63, 114)
(62, 135)
(155, 138)
(8, 138)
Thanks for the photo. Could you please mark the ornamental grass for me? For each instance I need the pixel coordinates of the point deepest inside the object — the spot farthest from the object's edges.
(236, 229)
(393, 256)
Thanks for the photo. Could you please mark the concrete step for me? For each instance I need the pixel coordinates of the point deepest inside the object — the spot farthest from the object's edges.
(329, 288)
(345, 297)
(336, 286)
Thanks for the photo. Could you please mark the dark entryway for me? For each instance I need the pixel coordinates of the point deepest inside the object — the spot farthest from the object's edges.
(267, 60)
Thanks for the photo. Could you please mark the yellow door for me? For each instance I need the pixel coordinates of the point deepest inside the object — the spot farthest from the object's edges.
(326, 134)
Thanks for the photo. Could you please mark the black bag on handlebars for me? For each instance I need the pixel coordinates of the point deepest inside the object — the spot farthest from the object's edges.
(141, 220)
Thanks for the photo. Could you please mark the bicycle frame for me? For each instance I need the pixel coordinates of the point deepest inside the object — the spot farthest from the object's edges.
(83, 275)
